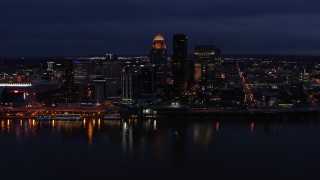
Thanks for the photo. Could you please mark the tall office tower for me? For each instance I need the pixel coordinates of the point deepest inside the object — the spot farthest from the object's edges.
(99, 85)
(304, 77)
(219, 77)
(58, 72)
(69, 78)
(158, 54)
(197, 73)
(148, 78)
(209, 58)
(218, 56)
(70, 90)
(158, 57)
(190, 66)
(48, 72)
(81, 71)
(131, 86)
(205, 55)
(50, 65)
(179, 61)
(112, 74)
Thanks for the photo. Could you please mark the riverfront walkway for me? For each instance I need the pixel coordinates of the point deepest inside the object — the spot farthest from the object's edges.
(158, 112)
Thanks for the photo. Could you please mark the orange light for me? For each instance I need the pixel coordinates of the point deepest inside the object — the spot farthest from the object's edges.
(158, 37)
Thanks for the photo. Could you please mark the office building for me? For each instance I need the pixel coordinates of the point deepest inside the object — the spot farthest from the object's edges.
(158, 58)
(148, 74)
(131, 86)
(179, 61)
(209, 59)
(205, 56)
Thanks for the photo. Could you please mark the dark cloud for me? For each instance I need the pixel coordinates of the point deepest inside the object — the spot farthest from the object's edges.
(80, 27)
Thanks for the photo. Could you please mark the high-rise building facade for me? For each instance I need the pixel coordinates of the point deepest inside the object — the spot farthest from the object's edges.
(131, 86)
(205, 56)
(70, 89)
(158, 54)
(50, 65)
(112, 73)
(81, 71)
(81, 74)
(179, 61)
(148, 73)
(158, 58)
(99, 85)
(209, 58)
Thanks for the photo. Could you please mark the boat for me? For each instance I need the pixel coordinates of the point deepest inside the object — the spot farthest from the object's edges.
(68, 117)
(112, 116)
(43, 118)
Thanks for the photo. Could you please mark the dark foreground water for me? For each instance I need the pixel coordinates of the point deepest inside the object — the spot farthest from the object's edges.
(177, 149)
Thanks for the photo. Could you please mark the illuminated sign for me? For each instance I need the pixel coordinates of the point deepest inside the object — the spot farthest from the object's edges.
(285, 105)
(17, 91)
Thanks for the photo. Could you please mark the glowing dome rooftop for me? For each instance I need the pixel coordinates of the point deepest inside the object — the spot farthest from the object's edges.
(158, 37)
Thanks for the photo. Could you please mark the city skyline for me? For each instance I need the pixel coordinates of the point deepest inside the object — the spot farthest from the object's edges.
(171, 89)
(76, 27)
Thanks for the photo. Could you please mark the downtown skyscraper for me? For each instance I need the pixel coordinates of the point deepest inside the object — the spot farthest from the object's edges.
(209, 59)
(179, 61)
(158, 60)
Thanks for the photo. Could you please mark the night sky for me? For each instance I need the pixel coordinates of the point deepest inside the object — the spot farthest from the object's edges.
(34, 28)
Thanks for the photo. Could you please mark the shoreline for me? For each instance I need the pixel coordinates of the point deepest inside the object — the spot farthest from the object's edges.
(157, 112)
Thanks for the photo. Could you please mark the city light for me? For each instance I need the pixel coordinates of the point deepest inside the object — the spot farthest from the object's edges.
(15, 84)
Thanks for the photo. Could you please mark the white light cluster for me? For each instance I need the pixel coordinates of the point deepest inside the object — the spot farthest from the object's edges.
(15, 84)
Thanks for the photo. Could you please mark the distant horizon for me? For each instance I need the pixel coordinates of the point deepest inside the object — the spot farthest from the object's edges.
(146, 55)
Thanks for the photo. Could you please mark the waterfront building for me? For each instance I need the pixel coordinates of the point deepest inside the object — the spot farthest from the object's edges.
(99, 85)
(34, 94)
(131, 86)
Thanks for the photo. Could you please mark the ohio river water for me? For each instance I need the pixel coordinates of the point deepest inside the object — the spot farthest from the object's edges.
(154, 149)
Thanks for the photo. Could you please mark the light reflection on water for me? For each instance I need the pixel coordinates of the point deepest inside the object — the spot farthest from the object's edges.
(90, 131)
(197, 147)
(91, 127)
(127, 139)
(202, 133)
